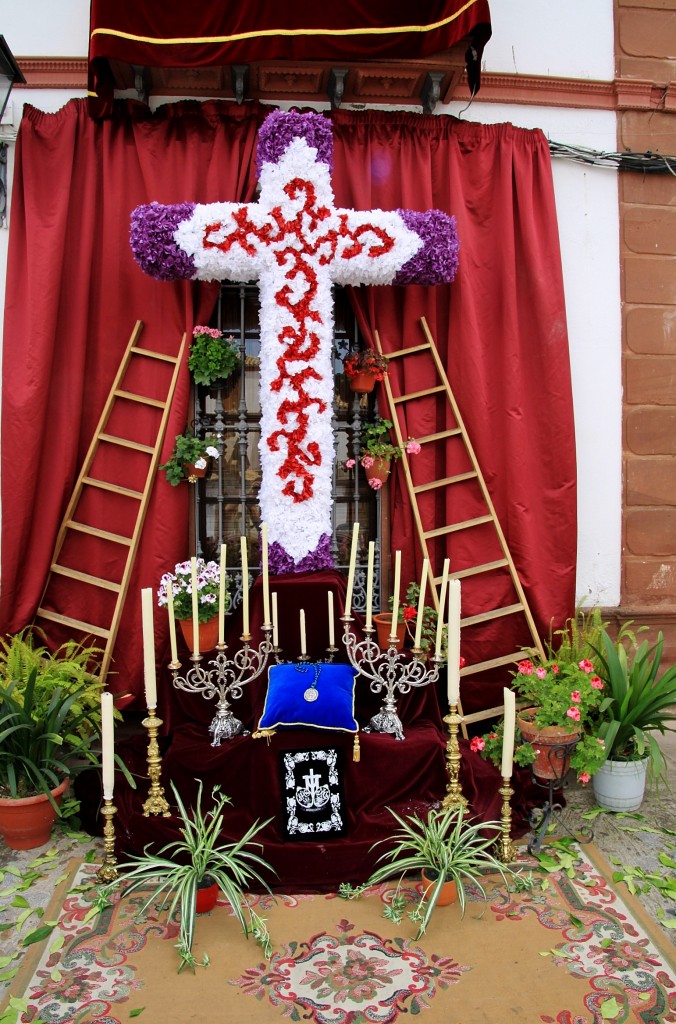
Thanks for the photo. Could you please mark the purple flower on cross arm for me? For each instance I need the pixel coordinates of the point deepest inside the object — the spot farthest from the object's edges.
(436, 262)
(282, 126)
(152, 240)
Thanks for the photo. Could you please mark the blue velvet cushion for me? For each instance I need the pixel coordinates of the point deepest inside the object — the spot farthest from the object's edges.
(333, 708)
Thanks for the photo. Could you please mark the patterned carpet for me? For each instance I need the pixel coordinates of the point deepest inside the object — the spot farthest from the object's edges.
(567, 950)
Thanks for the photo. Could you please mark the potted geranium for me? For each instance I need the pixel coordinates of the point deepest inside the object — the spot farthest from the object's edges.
(189, 459)
(208, 576)
(363, 369)
(560, 722)
(377, 452)
(213, 356)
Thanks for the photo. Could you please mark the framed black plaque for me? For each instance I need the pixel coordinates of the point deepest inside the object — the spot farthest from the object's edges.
(312, 788)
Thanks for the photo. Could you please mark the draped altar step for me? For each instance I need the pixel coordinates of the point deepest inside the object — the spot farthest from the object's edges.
(104, 511)
(460, 487)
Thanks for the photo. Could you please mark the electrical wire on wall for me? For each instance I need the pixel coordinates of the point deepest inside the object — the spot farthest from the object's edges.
(644, 163)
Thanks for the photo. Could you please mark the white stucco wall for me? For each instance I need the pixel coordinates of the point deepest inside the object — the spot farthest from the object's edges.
(535, 37)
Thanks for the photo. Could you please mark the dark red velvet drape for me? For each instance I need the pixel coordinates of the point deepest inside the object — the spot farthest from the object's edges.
(501, 331)
(74, 293)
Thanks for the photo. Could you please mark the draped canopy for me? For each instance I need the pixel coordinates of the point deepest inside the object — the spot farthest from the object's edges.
(74, 293)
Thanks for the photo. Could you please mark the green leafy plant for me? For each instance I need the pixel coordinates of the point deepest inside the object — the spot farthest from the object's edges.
(177, 869)
(641, 700)
(408, 613)
(212, 356)
(581, 637)
(448, 848)
(189, 451)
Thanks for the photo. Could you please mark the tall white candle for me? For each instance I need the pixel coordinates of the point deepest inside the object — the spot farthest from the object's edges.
(369, 584)
(332, 634)
(107, 744)
(245, 589)
(353, 565)
(303, 642)
(172, 623)
(453, 669)
(266, 579)
(442, 607)
(221, 598)
(421, 604)
(508, 737)
(395, 598)
(195, 606)
(148, 647)
(275, 623)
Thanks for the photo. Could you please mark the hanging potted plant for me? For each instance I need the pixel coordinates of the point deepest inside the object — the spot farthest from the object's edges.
(208, 576)
(190, 459)
(198, 860)
(378, 452)
(641, 703)
(214, 359)
(364, 369)
(450, 853)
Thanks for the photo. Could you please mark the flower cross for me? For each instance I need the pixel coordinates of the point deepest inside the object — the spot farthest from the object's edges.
(297, 243)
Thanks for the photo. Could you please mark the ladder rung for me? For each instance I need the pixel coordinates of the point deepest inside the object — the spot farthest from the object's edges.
(483, 666)
(495, 613)
(419, 394)
(115, 488)
(94, 532)
(458, 478)
(465, 525)
(84, 627)
(136, 445)
(476, 570)
(439, 436)
(132, 397)
(153, 355)
(84, 577)
(408, 351)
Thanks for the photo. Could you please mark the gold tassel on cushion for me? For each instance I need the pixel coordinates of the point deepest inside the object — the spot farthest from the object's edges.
(264, 734)
(356, 753)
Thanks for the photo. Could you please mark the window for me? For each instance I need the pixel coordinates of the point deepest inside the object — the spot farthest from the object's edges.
(226, 502)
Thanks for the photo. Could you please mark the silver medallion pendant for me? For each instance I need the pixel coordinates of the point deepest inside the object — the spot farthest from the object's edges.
(311, 694)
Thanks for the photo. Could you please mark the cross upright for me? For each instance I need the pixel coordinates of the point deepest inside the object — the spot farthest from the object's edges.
(297, 244)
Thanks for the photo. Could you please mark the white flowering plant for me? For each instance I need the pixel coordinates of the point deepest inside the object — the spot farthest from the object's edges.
(189, 452)
(208, 575)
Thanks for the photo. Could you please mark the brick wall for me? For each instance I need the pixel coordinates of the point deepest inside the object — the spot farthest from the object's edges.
(646, 53)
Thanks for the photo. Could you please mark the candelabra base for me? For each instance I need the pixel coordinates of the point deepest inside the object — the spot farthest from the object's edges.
(226, 727)
(387, 722)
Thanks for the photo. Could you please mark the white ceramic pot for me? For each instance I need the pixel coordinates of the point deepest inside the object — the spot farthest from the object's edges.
(620, 785)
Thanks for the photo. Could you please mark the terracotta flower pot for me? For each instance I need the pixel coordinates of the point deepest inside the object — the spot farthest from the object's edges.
(553, 745)
(193, 473)
(449, 891)
(207, 631)
(27, 822)
(207, 895)
(380, 470)
(383, 624)
(363, 383)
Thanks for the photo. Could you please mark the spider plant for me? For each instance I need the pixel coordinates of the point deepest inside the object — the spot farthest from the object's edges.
(177, 869)
(447, 847)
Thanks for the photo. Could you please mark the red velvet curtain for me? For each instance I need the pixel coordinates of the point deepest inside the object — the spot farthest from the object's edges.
(74, 293)
(501, 332)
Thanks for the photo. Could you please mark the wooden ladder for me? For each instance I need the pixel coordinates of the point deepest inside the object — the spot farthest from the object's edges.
(441, 486)
(71, 524)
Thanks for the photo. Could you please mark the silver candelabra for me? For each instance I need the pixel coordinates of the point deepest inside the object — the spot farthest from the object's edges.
(388, 671)
(225, 680)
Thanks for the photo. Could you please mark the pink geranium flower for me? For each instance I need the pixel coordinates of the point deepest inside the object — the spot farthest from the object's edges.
(586, 665)
(541, 672)
(583, 777)
(576, 696)
(477, 743)
(349, 463)
(375, 483)
(526, 668)
(367, 462)
(413, 448)
(596, 682)
(574, 713)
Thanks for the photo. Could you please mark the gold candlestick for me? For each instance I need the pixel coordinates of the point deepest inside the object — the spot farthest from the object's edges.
(156, 802)
(108, 870)
(454, 796)
(505, 850)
